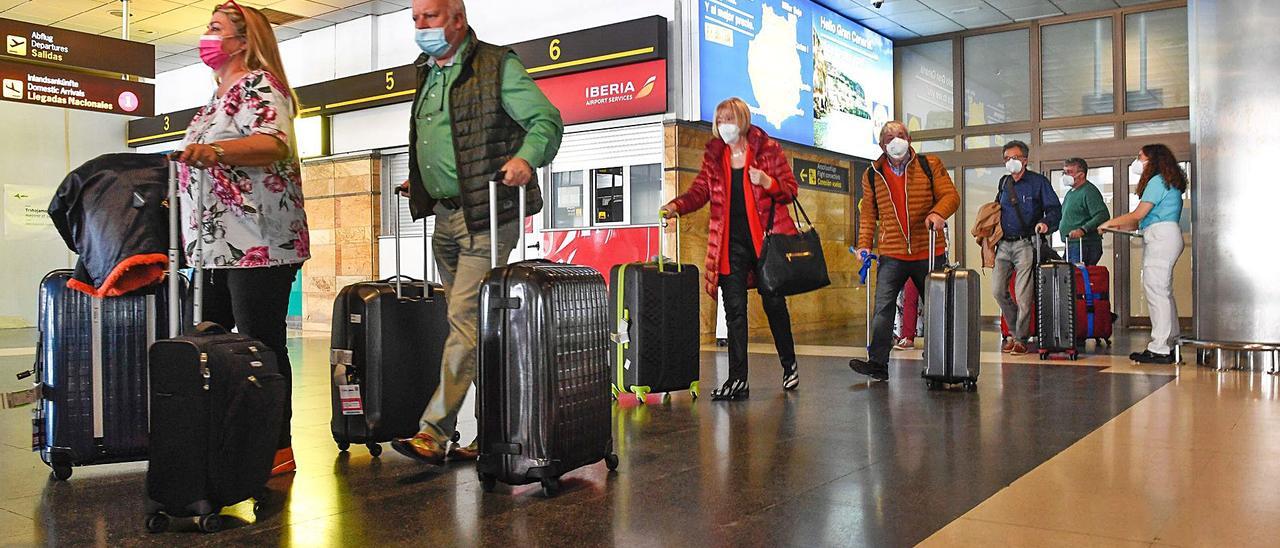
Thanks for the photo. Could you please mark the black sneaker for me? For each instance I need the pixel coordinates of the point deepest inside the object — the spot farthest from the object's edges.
(790, 377)
(1149, 357)
(732, 389)
(870, 369)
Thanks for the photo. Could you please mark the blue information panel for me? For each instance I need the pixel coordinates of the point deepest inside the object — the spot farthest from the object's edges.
(810, 75)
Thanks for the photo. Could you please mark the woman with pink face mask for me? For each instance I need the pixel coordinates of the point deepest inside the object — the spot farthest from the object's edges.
(254, 225)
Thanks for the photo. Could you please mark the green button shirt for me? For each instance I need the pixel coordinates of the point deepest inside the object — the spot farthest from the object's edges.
(521, 98)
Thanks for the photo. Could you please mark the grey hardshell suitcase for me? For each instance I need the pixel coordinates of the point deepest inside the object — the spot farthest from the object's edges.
(1055, 307)
(951, 353)
(543, 386)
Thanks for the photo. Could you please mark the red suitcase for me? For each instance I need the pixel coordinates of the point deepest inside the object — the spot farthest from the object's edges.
(1093, 304)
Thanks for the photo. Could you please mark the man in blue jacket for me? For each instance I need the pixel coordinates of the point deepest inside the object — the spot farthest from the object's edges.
(1028, 208)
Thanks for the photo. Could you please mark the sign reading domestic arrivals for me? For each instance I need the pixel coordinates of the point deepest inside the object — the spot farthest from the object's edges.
(610, 93)
(39, 85)
(76, 50)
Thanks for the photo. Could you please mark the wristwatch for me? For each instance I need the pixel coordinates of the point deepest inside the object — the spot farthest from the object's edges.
(217, 149)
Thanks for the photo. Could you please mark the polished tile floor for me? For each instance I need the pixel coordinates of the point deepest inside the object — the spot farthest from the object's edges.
(1095, 452)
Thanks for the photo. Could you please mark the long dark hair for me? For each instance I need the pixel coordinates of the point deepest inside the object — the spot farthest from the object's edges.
(1160, 160)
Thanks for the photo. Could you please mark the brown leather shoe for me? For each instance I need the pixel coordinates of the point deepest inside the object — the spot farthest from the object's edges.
(460, 453)
(1018, 348)
(1007, 347)
(284, 462)
(423, 447)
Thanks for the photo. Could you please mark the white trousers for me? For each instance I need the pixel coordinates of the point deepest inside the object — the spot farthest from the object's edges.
(1163, 245)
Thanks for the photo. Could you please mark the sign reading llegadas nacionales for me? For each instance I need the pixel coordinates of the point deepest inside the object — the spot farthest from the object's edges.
(70, 49)
(39, 85)
(820, 176)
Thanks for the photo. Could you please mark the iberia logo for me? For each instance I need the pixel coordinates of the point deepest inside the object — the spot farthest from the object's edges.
(614, 92)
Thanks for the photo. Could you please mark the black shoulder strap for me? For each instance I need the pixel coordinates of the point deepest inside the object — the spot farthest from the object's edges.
(871, 183)
(928, 169)
(1017, 207)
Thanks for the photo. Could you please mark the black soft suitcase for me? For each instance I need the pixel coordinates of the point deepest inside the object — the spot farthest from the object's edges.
(387, 340)
(1055, 307)
(543, 385)
(654, 307)
(217, 406)
(91, 374)
(217, 401)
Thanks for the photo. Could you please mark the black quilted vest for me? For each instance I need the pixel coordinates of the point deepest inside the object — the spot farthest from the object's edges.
(484, 138)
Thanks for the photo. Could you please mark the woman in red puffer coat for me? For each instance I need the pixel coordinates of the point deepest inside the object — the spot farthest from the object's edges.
(745, 175)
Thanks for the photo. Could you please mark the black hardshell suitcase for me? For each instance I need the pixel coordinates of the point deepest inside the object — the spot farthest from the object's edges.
(1055, 307)
(543, 384)
(951, 349)
(387, 341)
(655, 314)
(91, 374)
(217, 401)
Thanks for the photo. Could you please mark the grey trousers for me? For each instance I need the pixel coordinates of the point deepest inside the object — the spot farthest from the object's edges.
(463, 260)
(1015, 257)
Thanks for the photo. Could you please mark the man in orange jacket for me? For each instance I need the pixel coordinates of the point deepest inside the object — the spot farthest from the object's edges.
(904, 196)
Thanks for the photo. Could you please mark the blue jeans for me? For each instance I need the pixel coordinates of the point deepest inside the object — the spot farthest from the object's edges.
(1092, 252)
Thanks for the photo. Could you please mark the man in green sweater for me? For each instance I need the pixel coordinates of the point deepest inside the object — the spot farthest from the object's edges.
(1082, 211)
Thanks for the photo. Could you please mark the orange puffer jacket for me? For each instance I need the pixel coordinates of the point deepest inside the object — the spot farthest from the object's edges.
(922, 199)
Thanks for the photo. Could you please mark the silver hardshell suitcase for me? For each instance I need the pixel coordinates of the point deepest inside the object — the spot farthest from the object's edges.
(951, 349)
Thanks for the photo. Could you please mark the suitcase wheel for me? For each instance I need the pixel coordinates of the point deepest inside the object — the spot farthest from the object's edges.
(157, 523)
(971, 386)
(487, 482)
(611, 461)
(550, 487)
(343, 446)
(1044, 355)
(694, 389)
(61, 472)
(932, 385)
(209, 523)
(375, 449)
(641, 393)
(1074, 356)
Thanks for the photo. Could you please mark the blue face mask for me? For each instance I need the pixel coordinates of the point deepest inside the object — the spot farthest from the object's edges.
(431, 41)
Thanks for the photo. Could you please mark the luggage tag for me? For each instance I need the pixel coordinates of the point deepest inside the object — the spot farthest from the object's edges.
(349, 399)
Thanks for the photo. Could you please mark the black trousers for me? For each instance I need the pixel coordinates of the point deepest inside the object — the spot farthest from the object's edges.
(891, 277)
(255, 301)
(742, 262)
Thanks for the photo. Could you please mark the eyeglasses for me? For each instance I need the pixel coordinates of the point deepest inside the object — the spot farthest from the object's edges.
(1007, 158)
(233, 4)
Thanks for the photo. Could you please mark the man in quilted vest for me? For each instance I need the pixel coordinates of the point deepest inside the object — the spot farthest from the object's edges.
(904, 196)
(477, 113)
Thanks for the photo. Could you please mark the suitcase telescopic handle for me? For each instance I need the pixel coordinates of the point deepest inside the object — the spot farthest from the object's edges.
(933, 244)
(493, 219)
(175, 245)
(662, 237)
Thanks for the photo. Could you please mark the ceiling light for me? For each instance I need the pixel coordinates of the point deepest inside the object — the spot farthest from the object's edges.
(117, 13)
(965, 10)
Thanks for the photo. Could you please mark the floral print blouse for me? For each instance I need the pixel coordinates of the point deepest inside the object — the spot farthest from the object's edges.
(252, 216)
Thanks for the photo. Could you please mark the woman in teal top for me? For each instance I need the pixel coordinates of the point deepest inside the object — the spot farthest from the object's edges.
(1161, 183)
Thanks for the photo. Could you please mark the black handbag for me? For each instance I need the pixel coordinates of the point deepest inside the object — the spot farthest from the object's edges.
(791, 264)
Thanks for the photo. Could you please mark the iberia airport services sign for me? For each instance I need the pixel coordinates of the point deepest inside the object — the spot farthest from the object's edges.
(39, 85)
(608, 94)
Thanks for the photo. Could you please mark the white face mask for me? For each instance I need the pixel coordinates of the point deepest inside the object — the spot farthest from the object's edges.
(729, 132)
(898, 148)
(1013, 166)
(1068, 180)
(1137, 167)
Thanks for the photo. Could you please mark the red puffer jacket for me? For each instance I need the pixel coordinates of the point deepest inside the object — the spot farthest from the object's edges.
(712, 184)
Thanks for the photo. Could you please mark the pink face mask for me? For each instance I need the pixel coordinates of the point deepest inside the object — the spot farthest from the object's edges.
(211, 51)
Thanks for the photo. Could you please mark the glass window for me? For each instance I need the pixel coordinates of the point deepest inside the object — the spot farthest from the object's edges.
(980, 185)
(569, 197)
(1078, 134)
(609, 193)
(1076, 76)
(1155, 71)
(997, 78)
(646, 193)
(1164, 127)
(936, 145)
(928, 85)
(994, 141)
